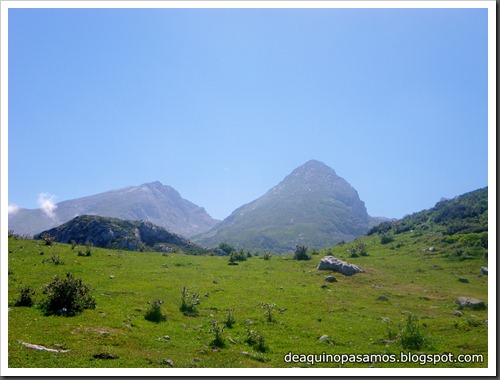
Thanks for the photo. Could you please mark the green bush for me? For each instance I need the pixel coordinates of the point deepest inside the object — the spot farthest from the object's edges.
(68, 296)
(154, 313)
(301, 253)
(217, 331)
(230, 321)
(256, 340)
(25, 298)
(189, 302)
(411, 335)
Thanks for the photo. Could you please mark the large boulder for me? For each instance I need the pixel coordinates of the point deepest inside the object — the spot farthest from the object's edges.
(470, 303)
(336, 265)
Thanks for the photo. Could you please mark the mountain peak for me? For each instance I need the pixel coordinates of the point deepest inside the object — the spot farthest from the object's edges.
(311, 206)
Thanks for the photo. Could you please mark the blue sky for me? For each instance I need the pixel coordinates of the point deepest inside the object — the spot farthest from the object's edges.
(222, 104)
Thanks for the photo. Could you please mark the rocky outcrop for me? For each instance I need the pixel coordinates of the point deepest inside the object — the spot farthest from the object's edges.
(336, 265)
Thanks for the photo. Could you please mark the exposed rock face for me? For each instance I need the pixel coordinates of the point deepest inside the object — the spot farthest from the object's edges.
(471, 303)
(119, 234)
(336, 265)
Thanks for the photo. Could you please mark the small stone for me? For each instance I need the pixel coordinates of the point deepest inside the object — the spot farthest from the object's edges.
(383, 298)
(111, 276)
(168, 362)
(432, 249)
(323, 337)
(484, 270)
(196, 359)
(166, 337)
(464, 280)
(458, 313)
(330, 279)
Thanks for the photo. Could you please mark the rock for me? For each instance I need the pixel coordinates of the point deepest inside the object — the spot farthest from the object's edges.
(105, 355)
(168, 362)
(464, 280)
(330, 279)
(383, 298)
(470, 303)
(111, 276)
(432, 249)
(484, 270)
(323, 337)
(166, 337)
(336, 265)
(458, 313)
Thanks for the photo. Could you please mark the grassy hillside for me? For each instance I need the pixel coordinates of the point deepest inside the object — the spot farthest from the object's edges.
(419, 273)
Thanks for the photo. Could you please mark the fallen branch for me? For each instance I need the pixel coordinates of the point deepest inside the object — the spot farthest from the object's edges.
(40, 348)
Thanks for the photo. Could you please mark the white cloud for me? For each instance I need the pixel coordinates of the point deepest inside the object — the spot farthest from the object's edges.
(13, 209)
(47, 205)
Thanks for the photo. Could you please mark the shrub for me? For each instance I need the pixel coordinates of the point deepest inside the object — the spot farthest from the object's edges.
(256, 340)
(55, 259)
(189, 302)
(25, 298)
(230, 321)
(217, 331)
(269, 310)
(386, 239)
(301, 253)
(267, 256)
(237, 256)
(154, 313)
(67, 295)
(412, 336)
(48, 239)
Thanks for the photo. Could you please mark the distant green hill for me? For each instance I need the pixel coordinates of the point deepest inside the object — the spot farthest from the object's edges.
(121, 234)
(467, 213)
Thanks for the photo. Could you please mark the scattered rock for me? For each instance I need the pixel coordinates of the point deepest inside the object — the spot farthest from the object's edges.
(232, 263)
(111, 276)
(461, 279)
(323, 337)
(249, 321)
(39, 347)
(336, 265)
(484, 270)
(105, 355)
(383, 298)
(196, 359)
(166, 337)
(168, 362)
(458, 313)
(432, 249)
(330, 279)
(103, 333)
(231, 341)
(470, 303)
(324, 286)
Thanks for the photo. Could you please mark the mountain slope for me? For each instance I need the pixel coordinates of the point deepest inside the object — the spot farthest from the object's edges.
(152, 202)
(120, 234)
(312, 206)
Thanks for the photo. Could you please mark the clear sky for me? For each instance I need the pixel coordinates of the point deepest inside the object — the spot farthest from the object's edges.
(222, 104)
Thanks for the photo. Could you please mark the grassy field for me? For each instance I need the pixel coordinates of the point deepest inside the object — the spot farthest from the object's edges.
(363, 314)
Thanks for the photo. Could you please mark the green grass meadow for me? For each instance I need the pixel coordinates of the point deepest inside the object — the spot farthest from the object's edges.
(412, 279)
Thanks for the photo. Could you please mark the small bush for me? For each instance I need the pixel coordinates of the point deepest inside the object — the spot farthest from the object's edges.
(386, 239)
(230, 321)
(237, 256)
(256, 340)
(267, 256)
(217, 331)
(67, 294)
(56, 259)
(25, 298)
(48, 239)
(301, 253)
(154, 313)
(269, 311)
(189, 302)
(411, 335)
